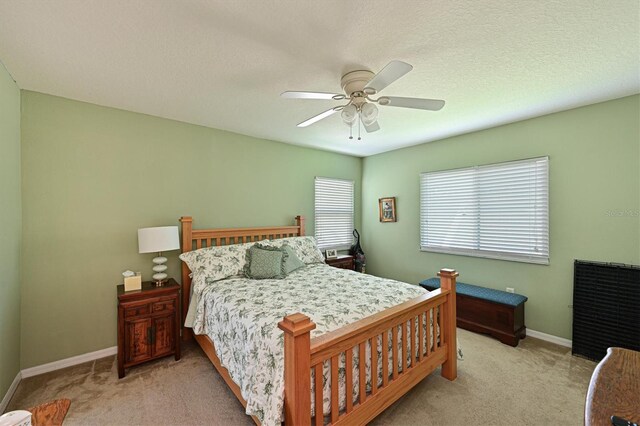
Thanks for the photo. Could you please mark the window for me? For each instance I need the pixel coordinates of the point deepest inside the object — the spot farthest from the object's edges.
(499, 211)
(334, 213)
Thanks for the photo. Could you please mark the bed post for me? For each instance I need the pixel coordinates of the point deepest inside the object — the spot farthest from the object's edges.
(297, 369)
(187, 227)
(448, 282)
(300, 223)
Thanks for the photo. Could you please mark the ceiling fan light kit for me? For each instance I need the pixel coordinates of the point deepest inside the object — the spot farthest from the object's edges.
(368, 114)
(349, 114)
(358, 86)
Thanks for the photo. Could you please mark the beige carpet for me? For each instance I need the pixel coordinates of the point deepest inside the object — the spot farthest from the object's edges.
(537, 383)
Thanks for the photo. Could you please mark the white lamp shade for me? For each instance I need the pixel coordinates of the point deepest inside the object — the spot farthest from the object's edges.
(349, 114)
(161, 238)
(369, 114)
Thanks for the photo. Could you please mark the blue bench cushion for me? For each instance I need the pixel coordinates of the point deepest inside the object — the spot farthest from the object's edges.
(497, 296)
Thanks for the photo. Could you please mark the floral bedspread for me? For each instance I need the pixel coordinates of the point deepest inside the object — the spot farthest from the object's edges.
(241, 315)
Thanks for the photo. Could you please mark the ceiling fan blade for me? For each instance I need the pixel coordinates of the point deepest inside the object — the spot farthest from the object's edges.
(311, 95)
(373, 127)
(319, 117)
(416, 103)
(393, 71)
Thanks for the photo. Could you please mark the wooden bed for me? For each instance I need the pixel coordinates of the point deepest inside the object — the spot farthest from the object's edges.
(302, 353)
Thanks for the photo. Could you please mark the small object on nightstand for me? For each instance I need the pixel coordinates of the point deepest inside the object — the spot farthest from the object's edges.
(132, 281)
(148, 323)
(331, 254)
(342, 262)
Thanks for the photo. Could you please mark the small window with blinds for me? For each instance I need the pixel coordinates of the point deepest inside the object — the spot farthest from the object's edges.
(498, 211)
(334, 213)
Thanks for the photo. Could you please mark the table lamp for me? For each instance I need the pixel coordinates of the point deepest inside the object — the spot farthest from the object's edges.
(158, 239)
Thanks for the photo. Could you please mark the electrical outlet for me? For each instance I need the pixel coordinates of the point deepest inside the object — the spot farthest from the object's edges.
(510, 290)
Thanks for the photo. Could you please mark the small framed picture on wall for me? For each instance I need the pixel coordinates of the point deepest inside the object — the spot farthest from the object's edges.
(387, 208)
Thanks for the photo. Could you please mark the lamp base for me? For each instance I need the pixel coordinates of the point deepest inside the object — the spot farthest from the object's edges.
(159, 277)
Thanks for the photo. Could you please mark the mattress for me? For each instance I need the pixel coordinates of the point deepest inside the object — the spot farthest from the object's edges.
(240, 316)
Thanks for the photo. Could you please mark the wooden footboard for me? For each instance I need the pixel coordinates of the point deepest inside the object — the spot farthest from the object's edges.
(432, 345)
(409, 366)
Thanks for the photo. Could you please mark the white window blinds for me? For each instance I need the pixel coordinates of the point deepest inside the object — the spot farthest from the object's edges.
(334, 213)
(498, 211)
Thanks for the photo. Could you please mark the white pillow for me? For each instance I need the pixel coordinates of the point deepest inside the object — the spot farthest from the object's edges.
(305, 248)
(217, 263)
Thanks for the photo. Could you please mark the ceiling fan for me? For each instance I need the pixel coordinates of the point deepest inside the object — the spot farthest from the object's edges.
(358, 87)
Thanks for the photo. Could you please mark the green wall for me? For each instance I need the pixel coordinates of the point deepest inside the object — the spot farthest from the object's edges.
(93, 175)
(594, 203)
(10, 231)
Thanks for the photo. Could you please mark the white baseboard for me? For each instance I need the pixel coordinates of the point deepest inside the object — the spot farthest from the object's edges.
(68, 362)
(549, 338)
(10, 392)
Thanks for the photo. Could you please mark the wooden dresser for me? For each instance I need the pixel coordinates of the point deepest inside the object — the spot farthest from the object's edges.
(148, 324)
(614, 389)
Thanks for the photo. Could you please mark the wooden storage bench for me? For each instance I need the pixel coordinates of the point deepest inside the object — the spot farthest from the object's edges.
(484, 310)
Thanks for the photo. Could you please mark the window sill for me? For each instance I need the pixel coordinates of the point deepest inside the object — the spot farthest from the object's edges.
(487, 255)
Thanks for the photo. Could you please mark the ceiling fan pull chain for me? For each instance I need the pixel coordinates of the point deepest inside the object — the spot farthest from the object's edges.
(359, 121)
(351, 131)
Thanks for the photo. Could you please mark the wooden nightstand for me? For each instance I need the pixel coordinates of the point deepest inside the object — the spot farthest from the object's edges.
(148, 323)
(344, 261)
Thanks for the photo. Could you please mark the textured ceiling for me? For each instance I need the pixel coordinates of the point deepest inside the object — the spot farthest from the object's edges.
(223, 64)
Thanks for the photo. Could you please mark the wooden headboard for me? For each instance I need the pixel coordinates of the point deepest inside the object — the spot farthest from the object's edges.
(193, 239)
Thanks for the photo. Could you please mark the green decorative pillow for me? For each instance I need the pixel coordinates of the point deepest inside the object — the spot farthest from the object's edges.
(292, 261)
(265, 261)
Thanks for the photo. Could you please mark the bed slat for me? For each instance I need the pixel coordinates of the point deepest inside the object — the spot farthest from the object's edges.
(385, 358)
(374, 365)
(335, 408)
(348, 354)
(319, 397)
(394, 350)
(437, 342)
(412, 340)
(349, 378)
(428, 337)
(362, 367)
(405, 342)
(420, 337)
